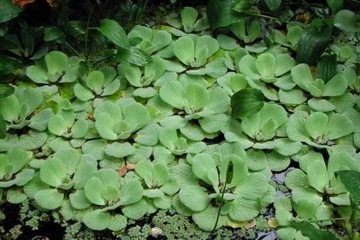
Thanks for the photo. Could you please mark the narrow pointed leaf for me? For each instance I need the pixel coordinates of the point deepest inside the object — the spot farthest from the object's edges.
(114, 32)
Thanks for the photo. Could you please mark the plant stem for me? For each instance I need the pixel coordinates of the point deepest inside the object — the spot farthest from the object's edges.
(219, 211)
(87, 31)
(73, 49)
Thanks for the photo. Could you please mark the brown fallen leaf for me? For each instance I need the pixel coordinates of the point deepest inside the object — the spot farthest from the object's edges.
(251, 224)
(52, 3)
(22, 3)
(122, 171)
(273, 223)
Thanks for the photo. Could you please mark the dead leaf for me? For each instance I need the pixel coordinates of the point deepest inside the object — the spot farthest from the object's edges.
(52, 3)
(235, 224)
(251, 224)
(122, 171)
(130, 166)
(273, 223)
(22, 3)
(304, 18)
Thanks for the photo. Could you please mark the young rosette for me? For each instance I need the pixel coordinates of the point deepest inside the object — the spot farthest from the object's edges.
(189, 21)
(160, 185)
(316, 192)
(265, 69)
(120, 119)
(221, 180)
(99, 83)
(319, 89)
(204, 107)
(319, 129)
(265, 130)
(111, 195)
(152, 40)
(14, 171)
(143, 78)
(19, 112)
(198, 49)
(60, 174)
(56, 67)
(179, 145)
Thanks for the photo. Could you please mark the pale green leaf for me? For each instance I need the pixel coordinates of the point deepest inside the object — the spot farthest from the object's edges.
(83, 93)
(37, 75)
(49, 199)
(296, 130)
(40, 120)
(131, 192)
(185, 42)
(97, 220)
(168, 137)
(149, 135)
(242, 209)
(95, 81)
(119, 150)
(161, 173)
(206, 219)
(80, 128)
(283, 64)
(173, 93)
(144, 169)
(194, 197)
(265, 64)
(56, 62)
(321, 105)
(296, 179)
(301, 75)
(203, 166)
(78, 199)
(137, 210)
(93, 189)
(136, 115)
(117, 222)
(336, 120)
(53, 172)
(318, 176)
(197, 95)
(336, 86)
(213, 123)
(316, 125)
(70, 158)
(219, 101)
(188, 17)
(15, 196)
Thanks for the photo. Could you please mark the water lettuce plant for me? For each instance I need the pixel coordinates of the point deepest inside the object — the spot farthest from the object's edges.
(152, 41)
(106, 188)
(199, 49)
(119, 120)
(61, 172)
(318, 88)
(189, 21)
(159, 183)
(207, 106)
(188, 121)
(318, 129)
(102, 82)
(265, 69)
(316, 192)
(56, 66)
(221, 180)
(14, 171)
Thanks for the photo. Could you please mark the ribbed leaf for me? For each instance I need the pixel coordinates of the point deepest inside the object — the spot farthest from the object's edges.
(114, 32)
